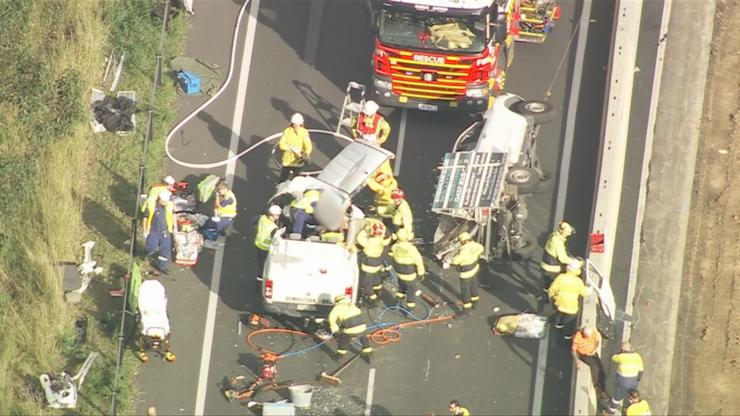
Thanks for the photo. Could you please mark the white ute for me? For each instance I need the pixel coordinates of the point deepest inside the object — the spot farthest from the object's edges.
(483, 181)
(302, 277)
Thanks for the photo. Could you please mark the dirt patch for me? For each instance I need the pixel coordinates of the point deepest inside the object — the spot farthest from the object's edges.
(706, 371)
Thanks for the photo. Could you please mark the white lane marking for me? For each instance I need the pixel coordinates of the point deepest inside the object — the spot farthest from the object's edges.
(429, 366)
(642, 196)
(401, 137)
(205, 358)
(562, 188)
(369, 396)
(314, 30)
(239, 327)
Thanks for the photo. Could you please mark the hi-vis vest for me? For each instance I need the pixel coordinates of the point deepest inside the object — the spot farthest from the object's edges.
(228, 211)
(407, 261)
(265, 227)
(467, 259)
(152, 197)
(169, 210)
(368, 131)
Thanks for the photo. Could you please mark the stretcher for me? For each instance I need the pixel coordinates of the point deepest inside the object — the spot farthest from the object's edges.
(155, 324)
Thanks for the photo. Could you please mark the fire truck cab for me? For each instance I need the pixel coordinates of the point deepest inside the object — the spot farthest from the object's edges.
(437, 55)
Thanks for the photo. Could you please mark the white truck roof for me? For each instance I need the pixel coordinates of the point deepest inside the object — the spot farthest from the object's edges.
(308, 272)
(503, 130)
(449, 4)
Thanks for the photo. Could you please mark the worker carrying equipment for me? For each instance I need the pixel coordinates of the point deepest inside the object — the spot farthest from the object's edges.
(408, 264)
(345, 323)
(224, 211)
(267, 225)
(371, 126)
(158, 228)
(466, 259)
(383, 184)
(555, 256)
(402, 216)
(373, 241)
(296, 146)
(565, 291)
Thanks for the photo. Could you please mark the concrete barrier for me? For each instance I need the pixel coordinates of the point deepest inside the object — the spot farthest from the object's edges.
(609, 191)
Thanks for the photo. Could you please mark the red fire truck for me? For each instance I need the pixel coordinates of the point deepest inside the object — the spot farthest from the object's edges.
(436, 55)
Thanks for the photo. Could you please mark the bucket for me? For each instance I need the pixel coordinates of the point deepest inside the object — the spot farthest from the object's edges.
(301, 395)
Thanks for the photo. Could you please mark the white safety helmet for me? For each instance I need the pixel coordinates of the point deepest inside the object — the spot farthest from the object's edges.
(370, 108)
(574, 265)
(169, 180)
(274, 210)
(296, 118)
(165, 195)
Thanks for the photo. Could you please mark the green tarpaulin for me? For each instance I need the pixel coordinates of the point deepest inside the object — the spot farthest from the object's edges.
(133, 288)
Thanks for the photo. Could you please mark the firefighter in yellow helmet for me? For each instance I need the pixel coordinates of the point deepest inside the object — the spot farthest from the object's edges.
(566, 291)
(346, 324)
(555, 257)
(370, 125)
(466, 259)
(409, 265)
(296, 146)
(373, 242)
(403, 218)
(383, 184)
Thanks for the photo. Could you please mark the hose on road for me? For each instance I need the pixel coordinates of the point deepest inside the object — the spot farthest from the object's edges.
(213, 98)
(381, 333)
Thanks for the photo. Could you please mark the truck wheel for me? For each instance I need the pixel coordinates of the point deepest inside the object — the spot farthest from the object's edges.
(540, 111)
(526, 179)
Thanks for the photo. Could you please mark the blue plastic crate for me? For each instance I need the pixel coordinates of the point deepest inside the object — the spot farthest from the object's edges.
(189, 82)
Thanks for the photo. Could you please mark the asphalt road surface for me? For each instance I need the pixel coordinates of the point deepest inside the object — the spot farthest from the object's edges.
(299, 56)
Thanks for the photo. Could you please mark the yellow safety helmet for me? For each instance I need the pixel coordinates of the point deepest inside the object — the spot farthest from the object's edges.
(341, 298)
(464, 236)
(566, 229)
(404, 234)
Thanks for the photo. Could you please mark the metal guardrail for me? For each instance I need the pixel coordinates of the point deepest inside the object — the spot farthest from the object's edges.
(611, 170)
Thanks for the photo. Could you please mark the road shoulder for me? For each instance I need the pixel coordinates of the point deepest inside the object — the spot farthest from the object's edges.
(670, 185)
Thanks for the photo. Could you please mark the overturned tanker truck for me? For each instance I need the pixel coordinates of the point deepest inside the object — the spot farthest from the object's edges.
(484, 181)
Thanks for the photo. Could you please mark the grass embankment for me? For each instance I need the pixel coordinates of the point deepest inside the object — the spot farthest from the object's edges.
(62, 185)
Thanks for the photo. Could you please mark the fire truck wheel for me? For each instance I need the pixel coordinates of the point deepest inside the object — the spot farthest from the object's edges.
(526, 179)
(540, 111)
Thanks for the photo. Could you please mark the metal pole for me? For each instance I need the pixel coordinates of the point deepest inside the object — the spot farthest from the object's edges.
(137, 206)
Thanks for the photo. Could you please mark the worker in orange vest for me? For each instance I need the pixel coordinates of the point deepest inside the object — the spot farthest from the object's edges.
(585, 348)
(370, 125)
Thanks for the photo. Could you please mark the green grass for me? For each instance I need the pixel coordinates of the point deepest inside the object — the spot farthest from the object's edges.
(62, 185)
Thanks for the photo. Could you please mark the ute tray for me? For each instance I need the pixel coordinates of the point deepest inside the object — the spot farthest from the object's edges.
(469, 180)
